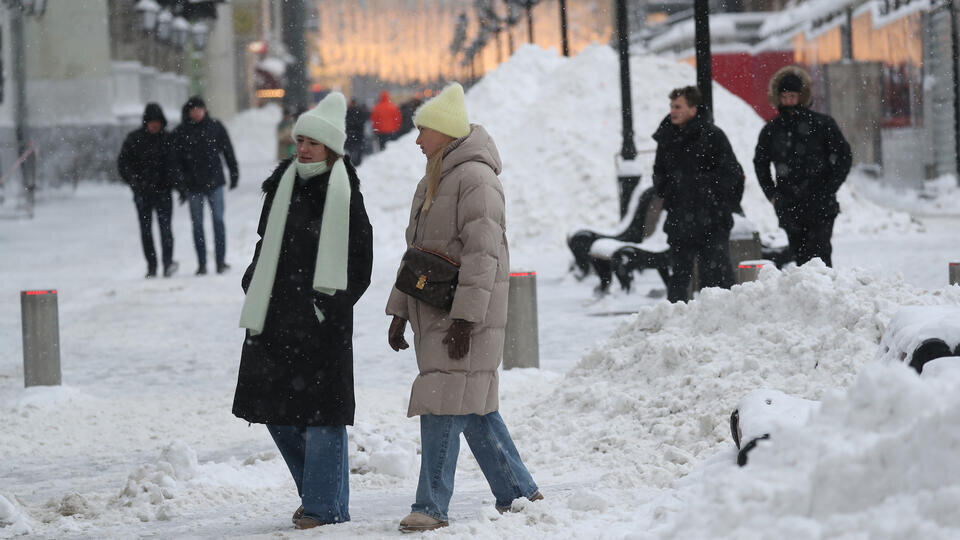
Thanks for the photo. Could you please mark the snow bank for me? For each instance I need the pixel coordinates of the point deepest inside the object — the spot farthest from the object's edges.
(12, 520)
(654, 399)
(557, 124)
(878, 460)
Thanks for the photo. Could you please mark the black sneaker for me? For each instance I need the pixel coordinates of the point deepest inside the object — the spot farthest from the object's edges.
(151, 272)
(222, 267)
(170, 269)
(202, 271)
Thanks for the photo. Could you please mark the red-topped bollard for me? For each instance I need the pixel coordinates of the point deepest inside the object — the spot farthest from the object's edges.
(955, 273)
(750, 270)
(41, 338)
(521, 347)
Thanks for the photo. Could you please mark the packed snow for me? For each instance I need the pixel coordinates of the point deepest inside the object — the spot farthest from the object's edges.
(625, 426)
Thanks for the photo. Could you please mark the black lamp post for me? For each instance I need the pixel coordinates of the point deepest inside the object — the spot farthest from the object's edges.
(628, 174)
(294, 38)
(563, 28)
(701, 21)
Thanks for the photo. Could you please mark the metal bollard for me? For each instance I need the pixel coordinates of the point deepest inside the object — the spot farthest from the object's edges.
(750, 270)
(41, 338)
(521, 347)
(955, 273)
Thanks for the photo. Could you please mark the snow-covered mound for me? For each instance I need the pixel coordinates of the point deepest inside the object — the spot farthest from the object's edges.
(654, 399)
(877, 460)
(556, 122)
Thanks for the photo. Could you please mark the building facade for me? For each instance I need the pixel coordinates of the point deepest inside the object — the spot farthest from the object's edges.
(77, 75)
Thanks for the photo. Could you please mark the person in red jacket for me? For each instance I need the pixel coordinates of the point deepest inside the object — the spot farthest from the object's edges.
(385, 118)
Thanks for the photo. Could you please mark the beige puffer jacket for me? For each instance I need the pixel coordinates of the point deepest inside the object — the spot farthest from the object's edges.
(467, 223)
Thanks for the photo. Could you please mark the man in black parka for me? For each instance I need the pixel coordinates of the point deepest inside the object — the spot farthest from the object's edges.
(201, 140)
(148, 163)
(701, 182)
(811, 158)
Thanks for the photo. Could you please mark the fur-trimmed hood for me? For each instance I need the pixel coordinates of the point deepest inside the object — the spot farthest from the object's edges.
(806, 95)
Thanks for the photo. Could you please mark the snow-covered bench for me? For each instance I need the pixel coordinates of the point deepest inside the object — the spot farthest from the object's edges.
(919, 334)
(634, 227)
(927, 338)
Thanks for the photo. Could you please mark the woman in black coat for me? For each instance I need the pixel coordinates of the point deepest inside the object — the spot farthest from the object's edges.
(296, 368)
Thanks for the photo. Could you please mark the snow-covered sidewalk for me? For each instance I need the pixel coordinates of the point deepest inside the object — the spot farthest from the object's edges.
(624, 427)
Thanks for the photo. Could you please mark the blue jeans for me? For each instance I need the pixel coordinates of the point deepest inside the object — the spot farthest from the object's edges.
(317, 459)
(215, 196)
(491, 445)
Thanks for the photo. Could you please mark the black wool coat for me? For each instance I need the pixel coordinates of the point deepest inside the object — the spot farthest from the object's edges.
(700, 180)
(811, 158)
(199, 145)
(299, 371)
(148, 162)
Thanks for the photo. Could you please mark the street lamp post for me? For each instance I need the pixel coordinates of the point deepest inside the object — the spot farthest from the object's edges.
(563, 28)
(628, 173)
(701, 21)
(295, 91)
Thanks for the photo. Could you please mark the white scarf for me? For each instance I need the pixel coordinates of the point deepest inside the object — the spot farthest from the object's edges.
(330, 270)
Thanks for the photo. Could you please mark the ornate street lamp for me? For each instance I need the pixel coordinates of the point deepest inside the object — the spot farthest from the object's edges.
(164, 21)
(200, 31)
(180, 30)
(148, 10)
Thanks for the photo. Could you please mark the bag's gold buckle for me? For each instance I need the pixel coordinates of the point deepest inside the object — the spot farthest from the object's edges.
(422, 282)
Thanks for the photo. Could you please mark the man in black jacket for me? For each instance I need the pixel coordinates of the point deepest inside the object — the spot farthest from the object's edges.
(147, 162)
(811, 158)
(701, 182)
(200, 142)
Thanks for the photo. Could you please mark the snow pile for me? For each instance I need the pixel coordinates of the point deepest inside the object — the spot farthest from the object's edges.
(879, 460)
(12, 520)
(938, 197)
(556, 122)
(654, 399)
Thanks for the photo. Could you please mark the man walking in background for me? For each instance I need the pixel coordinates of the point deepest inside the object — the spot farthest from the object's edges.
(200, 142)
(147, 162)
(357, 116)
(701, 182)
(811, 158)
(386, 119)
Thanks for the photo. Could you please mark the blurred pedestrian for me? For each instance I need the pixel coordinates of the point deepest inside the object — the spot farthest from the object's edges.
(386, 119)
(357, 116)
(701, 182)
(407, 110)
(201, 140)
(458, 212)
(311, 265)
(811, 158)
(148, 163)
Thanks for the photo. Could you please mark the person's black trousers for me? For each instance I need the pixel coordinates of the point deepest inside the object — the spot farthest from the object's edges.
(714, 267)
(811, 240)
(163, 206)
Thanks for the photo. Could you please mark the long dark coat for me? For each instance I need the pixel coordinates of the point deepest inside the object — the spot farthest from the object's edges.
(299, 371)
(811, 158)
(700, 180)
(200, 145)
(148, 161)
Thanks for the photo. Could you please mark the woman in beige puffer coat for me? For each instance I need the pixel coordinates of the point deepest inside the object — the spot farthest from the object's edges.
(458, 210)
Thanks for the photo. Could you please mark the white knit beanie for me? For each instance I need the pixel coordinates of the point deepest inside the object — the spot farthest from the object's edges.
(446, 113)
(326, 122)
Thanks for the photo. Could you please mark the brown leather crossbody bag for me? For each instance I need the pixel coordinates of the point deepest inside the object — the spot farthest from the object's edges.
(429, 277)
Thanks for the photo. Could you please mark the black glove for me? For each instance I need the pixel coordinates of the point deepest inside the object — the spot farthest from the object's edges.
(233, 181)
(395, 334)
(457, 339)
